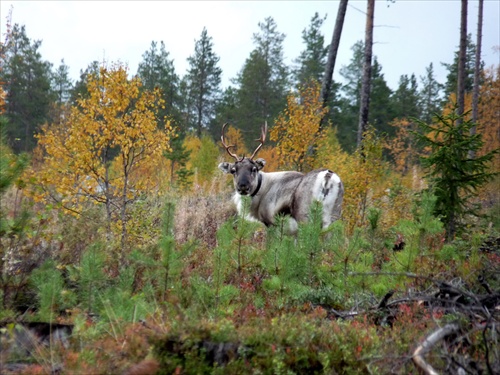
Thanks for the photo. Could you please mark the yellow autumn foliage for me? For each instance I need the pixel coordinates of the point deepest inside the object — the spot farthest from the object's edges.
(3, 95)
(269, 154)
(402, 147)
(297, 129)
(489, 113)
(106, 149)
(302, 145)
(234, 138)
(203, 158)
(367, 181)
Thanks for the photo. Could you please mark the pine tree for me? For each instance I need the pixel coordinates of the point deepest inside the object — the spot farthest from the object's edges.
(381, 106)
(157, 71)
(262, 83)
(327, 85)
(203, 80)
(253, 96)
(62, 86)
(477, 68)
(462, 55)
(352, 74)
(186, 104)
(346, 121)
(311, 62)
(452, 77)
(366, 83)
(312, 66)
(27, 83)
(406, 98)
(225, 111)
(381, 112)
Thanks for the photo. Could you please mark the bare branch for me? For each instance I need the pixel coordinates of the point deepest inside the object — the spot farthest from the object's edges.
(427, 345)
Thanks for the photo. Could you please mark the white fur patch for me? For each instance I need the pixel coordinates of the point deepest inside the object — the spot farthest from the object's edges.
(326, 191)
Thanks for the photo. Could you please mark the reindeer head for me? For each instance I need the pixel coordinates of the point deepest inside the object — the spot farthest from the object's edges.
(245, 170)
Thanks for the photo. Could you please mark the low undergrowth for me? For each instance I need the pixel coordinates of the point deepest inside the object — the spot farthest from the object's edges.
(256, 300)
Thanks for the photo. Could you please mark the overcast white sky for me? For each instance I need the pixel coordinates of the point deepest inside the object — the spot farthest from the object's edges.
(408, 36)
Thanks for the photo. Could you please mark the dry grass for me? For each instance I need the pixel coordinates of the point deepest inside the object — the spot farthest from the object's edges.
(200, 214)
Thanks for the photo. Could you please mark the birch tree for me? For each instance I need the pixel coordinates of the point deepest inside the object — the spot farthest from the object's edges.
(94, 156)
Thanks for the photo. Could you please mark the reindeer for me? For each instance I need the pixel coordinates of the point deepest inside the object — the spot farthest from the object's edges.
(290, 193)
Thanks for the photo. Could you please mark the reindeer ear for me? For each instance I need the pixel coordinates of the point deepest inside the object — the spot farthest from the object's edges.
(226, 167)
(260, 163)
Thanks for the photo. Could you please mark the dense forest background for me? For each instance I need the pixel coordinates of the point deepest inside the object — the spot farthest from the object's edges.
(117, 230)
(196, 102)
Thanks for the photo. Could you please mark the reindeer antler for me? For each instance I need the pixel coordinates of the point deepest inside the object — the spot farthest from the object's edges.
(228, 147)
(262, 138)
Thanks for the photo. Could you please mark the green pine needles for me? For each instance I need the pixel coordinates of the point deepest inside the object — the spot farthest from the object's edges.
(454, 176)
(49, 285)
(233, 258)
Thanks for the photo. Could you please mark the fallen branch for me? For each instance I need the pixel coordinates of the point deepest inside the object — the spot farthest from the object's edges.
(427, 345)
(382, 305)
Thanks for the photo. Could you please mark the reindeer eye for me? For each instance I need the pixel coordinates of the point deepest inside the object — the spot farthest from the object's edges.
(254, 169)
(233, 170)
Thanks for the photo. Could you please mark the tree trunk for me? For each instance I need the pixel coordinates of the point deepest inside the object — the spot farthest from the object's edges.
(200, 114)
(108, 195)
(461, 60)
(326, 85)
(124, 215)
(367, 72)
(477, 72)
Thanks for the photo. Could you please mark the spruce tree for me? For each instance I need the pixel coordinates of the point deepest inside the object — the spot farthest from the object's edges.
(62, 84)
(454, 177)
(430, 94)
